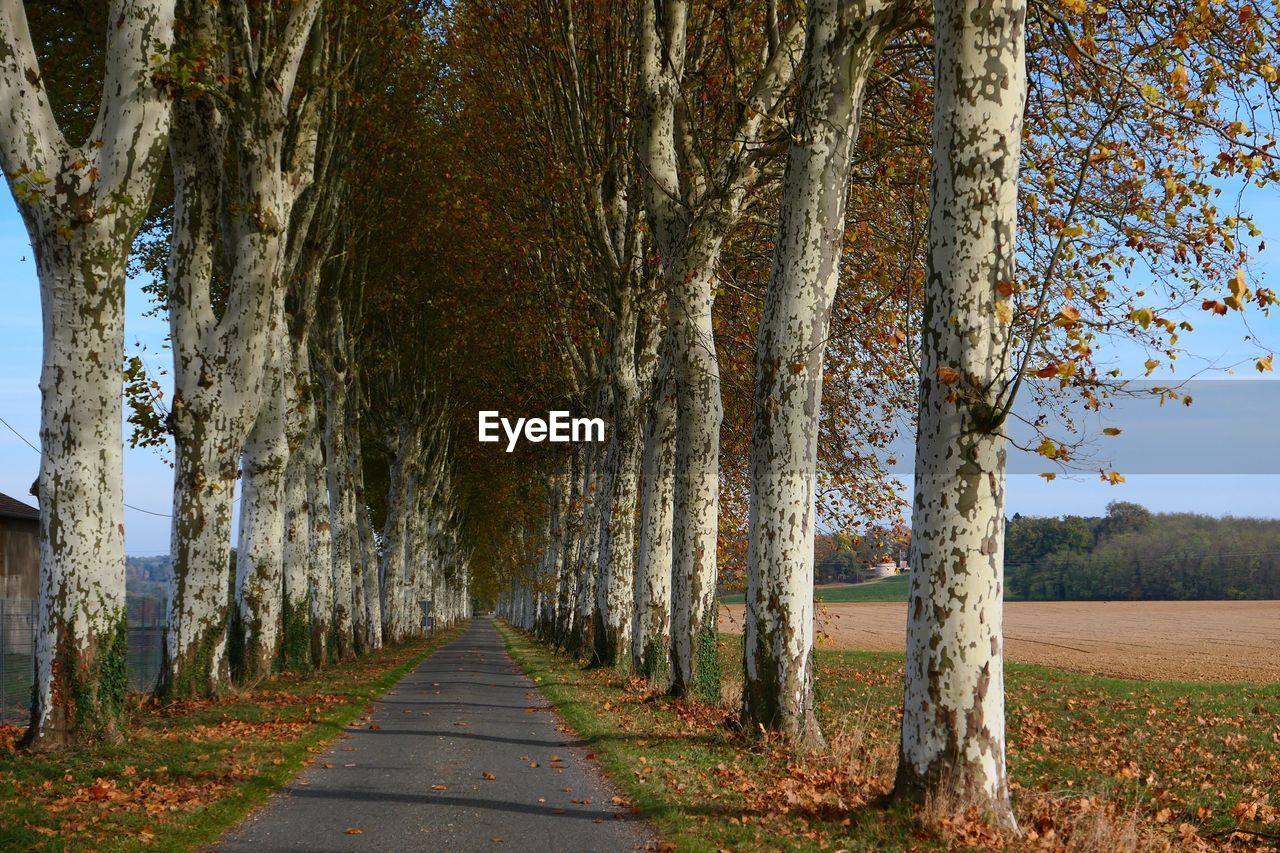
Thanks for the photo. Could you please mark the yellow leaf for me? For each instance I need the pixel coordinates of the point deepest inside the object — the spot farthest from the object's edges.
(1264, 364)
(1239, 286)
(1049, 475)
(1111, 431)
(1004, 313)
(1141, 316)
(1047, 449)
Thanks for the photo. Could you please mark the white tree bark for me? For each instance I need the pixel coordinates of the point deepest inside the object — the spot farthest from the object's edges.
(82, 207)
(260, 546)
(691, 214)
(395, 531)
(843, 39)
(582, 640)
(615, 594)
(366, 596)
(652, 635)
(341, 459)
(567, 588)
(296, 606)
(221, 354)
(953, 726)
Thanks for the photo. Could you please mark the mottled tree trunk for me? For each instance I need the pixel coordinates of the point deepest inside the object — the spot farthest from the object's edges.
(203, 489)
(651, 647)
(695, 659)
(366, 620)
(260, 547)
(582, 640)
(82, 207)
(339, 465)
(232, 228)
(326, 591)
(395, 533)
(615, 595)
(80, 631)
(842, 40)
(691, 214)
(567, 589)
(298, 577)
(953, 726)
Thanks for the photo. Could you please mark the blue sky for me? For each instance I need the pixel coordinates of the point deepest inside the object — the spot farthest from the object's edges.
(1239, 424)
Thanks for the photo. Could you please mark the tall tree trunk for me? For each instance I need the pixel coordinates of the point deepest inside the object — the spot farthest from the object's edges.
(195, 650)
(953, 725)
(327, 589)
(567, 590)
(395, 533)
(82, 207)
(690, 215)
(298, 549)
(651, 647)
(581, 640)
(339, 462)
(615, 596)
(80, 631)
(843, 39)
(695, 659)
(260, 549)
(222, 347)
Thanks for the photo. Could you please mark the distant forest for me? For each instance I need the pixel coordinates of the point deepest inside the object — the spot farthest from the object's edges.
(1132, 553)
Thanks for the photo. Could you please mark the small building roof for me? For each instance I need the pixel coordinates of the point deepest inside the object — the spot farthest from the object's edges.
(13, 508)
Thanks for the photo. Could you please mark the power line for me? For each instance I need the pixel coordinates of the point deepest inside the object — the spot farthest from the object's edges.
(19, 435)
(37, 450)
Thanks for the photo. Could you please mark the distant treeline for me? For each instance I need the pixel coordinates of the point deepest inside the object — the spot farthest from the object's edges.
(1132, 553)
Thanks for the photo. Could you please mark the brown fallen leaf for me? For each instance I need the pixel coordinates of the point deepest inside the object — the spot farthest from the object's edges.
(439, 787)
(327, 766)
(354, 830)
(487, 775)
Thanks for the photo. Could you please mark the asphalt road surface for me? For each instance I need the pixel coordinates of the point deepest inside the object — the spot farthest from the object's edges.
(415, 773)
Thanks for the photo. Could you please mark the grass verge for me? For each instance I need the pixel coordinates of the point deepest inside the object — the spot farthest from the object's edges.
(892, 588)
(1097, 763)
(190, 770)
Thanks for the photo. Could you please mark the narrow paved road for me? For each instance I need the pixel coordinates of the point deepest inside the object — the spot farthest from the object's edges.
(415, 774)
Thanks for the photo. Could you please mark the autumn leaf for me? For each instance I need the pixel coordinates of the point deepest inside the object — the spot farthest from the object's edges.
(488, 776)
(948, 376)
(1111, 431)
(354, 830)
(1263, 364)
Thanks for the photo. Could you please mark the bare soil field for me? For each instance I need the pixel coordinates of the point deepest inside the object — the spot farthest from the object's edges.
(1165, 640)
